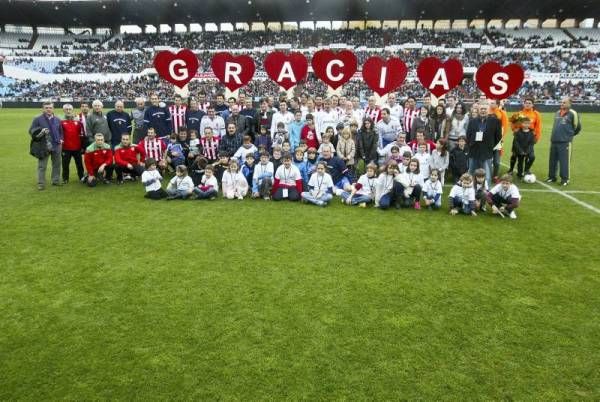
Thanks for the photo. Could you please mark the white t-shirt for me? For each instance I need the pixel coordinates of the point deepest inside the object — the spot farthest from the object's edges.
(368, 185)
(466, 194)
(288, 176)
(431, 189)
(152, 174)
(320, 184)
(210, 182)
(512, 192)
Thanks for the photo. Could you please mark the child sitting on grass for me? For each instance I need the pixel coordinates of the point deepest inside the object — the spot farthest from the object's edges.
(462, 196)
(151, 179)
(181, 185)
(234, 183)
(320, 187)
(432, 190)
(209, 186)
(363, 191)
(504, 197)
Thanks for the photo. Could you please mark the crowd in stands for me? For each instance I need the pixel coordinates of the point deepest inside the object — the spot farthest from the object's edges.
(550, 62)
(302, 38)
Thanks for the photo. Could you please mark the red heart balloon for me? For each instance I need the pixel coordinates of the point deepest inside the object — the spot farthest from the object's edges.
(499, 82)
(334, 69)
(281, 67)
(233, 71)
(177, 68)
(395, 73)
(437, 77)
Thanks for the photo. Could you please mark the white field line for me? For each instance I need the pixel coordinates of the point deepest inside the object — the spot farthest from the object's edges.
(539, 190)
(568, 196)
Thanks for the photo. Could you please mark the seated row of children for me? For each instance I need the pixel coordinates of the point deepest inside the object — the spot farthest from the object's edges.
(398, 185)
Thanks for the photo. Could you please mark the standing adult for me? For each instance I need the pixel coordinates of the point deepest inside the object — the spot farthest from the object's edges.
(282, 116)
(410, 114)
(387, 128)
(84, 111)
(242, 124)
(214, 121)
(497, 110)
(97, 123)
(73, 137)
(47, 131)
(372, 110)
(193, 117)
(137, 117)
(157, 115)
(177, 111)
(483, 134)
(396, 110)
(119, 123)
(566, 126)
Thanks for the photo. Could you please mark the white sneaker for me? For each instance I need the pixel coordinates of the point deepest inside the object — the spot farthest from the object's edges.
(512, 215)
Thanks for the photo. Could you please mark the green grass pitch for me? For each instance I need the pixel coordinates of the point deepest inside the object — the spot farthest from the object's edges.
(106, 295)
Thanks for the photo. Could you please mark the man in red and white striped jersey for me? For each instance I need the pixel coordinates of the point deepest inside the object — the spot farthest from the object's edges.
(373, 111)
(84, 110)
(203, 104)
(410, 115)
(177, 114)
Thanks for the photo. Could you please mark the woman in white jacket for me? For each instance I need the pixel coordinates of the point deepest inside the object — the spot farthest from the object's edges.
(387, 189)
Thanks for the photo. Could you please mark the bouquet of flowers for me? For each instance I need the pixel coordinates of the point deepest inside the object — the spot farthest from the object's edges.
(517, 118)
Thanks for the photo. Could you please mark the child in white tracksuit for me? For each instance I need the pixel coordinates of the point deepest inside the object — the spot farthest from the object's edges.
(181, 185)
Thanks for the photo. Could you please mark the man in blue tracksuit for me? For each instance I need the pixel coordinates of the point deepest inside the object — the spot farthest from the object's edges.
(566, 126)
(336, 167)
(193, 117)
(119, 123)
(157, 115)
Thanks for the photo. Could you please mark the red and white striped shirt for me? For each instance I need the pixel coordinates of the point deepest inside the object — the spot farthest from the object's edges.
(203, 106)
(177, 117)
(83, 120)
(210, 149)
(408, 119)
(374, 114)
(152, 149)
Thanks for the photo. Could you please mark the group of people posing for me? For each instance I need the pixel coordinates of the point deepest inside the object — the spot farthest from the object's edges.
(302, 149)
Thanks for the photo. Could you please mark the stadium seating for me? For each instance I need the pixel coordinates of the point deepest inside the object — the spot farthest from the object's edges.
(554, 52)
(14, 40)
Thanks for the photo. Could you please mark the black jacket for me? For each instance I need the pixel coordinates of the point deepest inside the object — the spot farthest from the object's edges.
(492, 134)
(366, 145)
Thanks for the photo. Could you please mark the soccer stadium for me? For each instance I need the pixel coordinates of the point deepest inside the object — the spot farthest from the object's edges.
(300, 200)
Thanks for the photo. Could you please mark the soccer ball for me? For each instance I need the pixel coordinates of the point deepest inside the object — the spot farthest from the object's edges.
(529, 178)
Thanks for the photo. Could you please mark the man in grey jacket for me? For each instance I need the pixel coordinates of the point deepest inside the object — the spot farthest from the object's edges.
(137, 116)
(97, 123)
(48, 124)
(566, 126)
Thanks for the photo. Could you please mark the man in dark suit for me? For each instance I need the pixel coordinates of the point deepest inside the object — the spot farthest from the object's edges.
(484, 133)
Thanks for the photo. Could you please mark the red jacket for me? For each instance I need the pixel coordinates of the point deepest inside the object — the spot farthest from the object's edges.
(94, 157)
(126, 155)
(310, 136)
(72, 133)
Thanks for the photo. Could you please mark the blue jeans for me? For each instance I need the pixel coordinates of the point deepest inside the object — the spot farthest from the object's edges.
(178, 193)
(485, 164)
(203, 195)
(357, 198)
(343, 182)
(457, 203)
(322, 200)
(437, 204)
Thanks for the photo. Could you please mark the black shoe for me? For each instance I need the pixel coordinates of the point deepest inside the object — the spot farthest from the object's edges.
(564, 183)
(550, 180)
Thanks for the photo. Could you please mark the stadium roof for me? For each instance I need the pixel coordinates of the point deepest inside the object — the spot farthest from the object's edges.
(113, 13)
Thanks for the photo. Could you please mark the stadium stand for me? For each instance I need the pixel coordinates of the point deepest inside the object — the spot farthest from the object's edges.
(539, 51)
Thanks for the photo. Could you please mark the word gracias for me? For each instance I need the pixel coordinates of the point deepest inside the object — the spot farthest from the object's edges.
(336, 68)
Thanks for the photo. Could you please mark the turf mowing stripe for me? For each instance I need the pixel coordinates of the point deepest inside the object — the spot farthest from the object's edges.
(570, 197)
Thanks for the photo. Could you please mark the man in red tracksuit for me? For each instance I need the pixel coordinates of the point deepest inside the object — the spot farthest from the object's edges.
(127, 161)
(72, 145)
(98, 161)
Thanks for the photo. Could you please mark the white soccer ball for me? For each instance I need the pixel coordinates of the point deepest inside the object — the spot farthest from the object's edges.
(529, 178)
